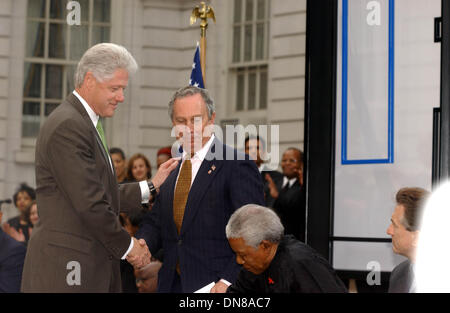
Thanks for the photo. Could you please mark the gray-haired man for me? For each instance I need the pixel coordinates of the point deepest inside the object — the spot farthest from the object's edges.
(273, 262)
(79, 242)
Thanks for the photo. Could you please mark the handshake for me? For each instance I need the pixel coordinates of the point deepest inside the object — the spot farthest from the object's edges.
(139, 256)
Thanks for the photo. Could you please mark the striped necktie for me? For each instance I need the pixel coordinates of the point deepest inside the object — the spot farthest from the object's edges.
(181, 193)
(102, 135)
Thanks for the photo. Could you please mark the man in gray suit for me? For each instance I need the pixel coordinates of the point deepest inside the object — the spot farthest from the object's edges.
(79, 243)
(404, 230)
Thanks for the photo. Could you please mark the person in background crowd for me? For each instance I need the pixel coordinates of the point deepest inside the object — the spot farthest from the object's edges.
(254, 147)
(288, 194)
(404, 230)
(131, 223)
(30, 215)
(33, 213)
(22, 200)
(12, 256)
(119, 162)
(273, 262)
(138, 168)
(147, 277)
(163, 155)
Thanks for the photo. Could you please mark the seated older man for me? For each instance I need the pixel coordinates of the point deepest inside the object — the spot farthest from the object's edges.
(273, 262)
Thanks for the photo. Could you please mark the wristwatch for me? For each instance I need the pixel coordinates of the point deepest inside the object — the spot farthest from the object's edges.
(152, 188)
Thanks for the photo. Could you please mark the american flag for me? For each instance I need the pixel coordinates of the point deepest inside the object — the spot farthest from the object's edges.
(196, 74)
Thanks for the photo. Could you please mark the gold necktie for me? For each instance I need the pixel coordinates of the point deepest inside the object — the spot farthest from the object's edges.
(181, 193)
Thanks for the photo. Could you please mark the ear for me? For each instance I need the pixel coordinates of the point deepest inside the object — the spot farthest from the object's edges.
(266, 245)
(89, 80)
(213, 117)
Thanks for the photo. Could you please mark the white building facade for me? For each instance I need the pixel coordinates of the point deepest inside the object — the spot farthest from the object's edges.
(255, 69)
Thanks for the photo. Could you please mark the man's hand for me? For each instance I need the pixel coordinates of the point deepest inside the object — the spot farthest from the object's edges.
(139, 256)
(12, 232)
(164, 171)
(300, 176)
(219, 287)
(272, 187)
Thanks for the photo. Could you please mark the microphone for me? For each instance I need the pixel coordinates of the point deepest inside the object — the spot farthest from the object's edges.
(5, 201)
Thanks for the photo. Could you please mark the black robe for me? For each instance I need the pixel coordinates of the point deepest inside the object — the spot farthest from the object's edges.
(296, 268)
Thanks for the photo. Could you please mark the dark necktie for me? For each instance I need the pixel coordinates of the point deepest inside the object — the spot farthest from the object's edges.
(285, 188)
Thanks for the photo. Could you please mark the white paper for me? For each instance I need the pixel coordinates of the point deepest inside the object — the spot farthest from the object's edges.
(206, 289)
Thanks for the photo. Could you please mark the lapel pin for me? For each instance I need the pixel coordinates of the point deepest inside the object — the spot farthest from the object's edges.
(213, 168)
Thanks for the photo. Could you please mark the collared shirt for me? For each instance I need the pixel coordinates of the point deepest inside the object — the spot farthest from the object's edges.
(93, 116)
(290, 181)
(196, 162)
(412, 269)
(197, 158)
(145, 191)
(261, 167)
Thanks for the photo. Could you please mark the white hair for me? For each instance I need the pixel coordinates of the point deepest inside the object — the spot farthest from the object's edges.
(103, 60)
(254, 223)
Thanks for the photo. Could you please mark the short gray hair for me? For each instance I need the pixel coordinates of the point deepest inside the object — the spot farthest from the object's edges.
(254, 223)
(103, 60)
(190, 91)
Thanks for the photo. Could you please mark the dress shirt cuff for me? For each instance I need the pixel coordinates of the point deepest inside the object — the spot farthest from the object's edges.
(145, 191)
(129, 249)
(226, 282)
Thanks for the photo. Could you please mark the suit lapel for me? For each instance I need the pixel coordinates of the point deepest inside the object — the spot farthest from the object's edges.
(73, 100)
(205, 176)
(168, 194)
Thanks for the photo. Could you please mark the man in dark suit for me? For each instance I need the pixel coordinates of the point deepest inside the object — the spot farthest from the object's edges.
(404, 230)
(189, 215)
(255, 147)
(273, 262)
(12, 255)
(79, 243)
(288, 194)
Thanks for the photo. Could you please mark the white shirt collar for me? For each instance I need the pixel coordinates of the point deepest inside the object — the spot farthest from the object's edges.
(261, 167)
(201, 154)
(94, 117)
(290, 181)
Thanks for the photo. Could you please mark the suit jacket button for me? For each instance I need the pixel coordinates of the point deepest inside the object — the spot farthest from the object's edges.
(110, 257)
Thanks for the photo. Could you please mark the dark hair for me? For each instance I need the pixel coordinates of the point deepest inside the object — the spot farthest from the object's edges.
(412, 199)
(28, 211)
(298, 150)
(260, 139)
(24, 188)
(130, 166)
(116, 150)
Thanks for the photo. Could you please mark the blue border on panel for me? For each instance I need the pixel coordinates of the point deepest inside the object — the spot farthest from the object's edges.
(390, 158)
